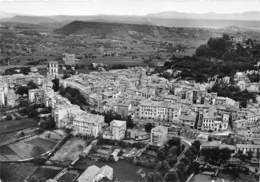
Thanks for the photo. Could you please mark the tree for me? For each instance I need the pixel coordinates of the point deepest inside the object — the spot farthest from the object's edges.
(148, 127)
(31, 85)
(56, 84)
(171, 176)
(129, 122)
(47, 123)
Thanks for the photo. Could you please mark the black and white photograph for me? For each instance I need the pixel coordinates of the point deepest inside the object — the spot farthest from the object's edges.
(129, 90)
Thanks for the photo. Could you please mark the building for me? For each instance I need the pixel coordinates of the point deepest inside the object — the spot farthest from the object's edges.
(88, 124)
(244, 148)
(118, 129)
(53, 69)
(36, 96)
(96, 174)
(2, 97)
(11, 98)
(159, 110)
(69, 59)
(159, 135)
(89, 174)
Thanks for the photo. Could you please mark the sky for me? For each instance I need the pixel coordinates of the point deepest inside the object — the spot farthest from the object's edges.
(124, 7)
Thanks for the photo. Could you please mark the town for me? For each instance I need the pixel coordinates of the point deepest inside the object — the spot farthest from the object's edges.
(129, 91)
(94, 126)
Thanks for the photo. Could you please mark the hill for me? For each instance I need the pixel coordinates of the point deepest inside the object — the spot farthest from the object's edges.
(249, 20)
(132, 31)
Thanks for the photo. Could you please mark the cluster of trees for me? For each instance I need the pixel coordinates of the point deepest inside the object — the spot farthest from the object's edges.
(217, 57)
(216, 156)
(233, 92)
(201, 69)
(23, 70)
(223, 48)
(21, 90)
(56, 84)
(73, 95)
(34, 111)
(111, 115)
(47, 123)
(148, 127)
(254, 77)
(102, 141)
(185, 166)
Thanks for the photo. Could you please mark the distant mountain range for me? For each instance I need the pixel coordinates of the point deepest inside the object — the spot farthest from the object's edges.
(248, 20)
(249, 16)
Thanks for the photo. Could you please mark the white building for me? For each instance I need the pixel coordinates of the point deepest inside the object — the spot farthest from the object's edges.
(118, 129)
(158, 135)
(88, 124)
(159, 110)
(96, 174)
(36, 96)
(53, 69)
(11, 98)
(2, 97)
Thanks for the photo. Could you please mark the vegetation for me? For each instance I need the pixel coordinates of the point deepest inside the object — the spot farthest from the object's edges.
(216, 156)
(217, 57)
(21, 90)
(47, 123)
(73, 95)
(233, 92)
(17, 70)
(148, 127)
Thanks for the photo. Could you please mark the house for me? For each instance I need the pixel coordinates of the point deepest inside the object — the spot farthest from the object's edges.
(159, 135)
(116, 131)
(36, 96)
(11, 98)
(96, 174)
(89, 174)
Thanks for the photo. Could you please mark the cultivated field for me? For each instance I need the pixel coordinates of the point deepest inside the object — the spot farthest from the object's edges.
(70, 150)
(31, 147)
(44, 173)
(16, 125)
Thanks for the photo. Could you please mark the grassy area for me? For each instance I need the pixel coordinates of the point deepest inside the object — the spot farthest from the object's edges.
(44, 173)
(31, 147)
(16, 125)
(11, 172)
(70, 150)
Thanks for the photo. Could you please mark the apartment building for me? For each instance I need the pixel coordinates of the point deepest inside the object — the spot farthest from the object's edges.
(88, 124)
(159, 110)
(159, 135)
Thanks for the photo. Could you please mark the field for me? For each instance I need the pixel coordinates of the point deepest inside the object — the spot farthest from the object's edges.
(69, 176)
(11, 172)
(16, 125)
(69, 151)
(28, 148)
(44, 173)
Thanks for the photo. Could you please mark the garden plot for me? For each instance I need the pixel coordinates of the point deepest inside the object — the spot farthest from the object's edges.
(70, 150)
(30, 147)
